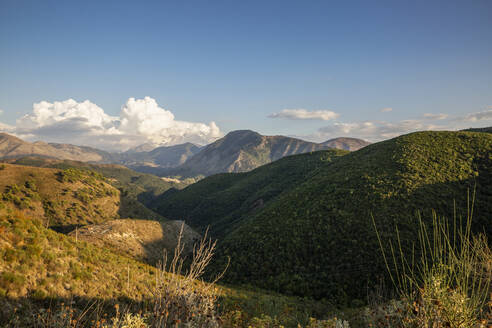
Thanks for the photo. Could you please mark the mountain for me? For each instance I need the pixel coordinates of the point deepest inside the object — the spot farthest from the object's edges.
(11, 146)
(351, 144)
(316, 237)
(223, 200)
(161, 157)
(242, 151)
(238, 151)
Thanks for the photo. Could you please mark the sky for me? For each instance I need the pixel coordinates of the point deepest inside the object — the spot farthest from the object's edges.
(116, 74)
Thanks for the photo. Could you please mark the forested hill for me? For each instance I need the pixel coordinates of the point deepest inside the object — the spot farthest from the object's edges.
(223, 200)
(316, 238)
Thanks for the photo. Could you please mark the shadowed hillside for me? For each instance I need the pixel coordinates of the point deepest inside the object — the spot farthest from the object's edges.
(223, 200)
(143, 240)
(316, 238)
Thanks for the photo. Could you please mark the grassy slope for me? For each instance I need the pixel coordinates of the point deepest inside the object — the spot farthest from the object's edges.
(39, 266)
(138, 190)
(223, 200)
(40, 262)
(59, 198)
(317, 238)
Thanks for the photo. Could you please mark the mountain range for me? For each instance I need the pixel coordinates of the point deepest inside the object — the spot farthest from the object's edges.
(238, 151)
(298, 225)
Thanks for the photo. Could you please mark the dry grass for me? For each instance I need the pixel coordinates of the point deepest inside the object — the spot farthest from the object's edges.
(44, 194)
(181, 296)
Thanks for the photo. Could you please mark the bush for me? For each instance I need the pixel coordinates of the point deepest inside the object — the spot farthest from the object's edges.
(127, 321)
(446, 284)
(11, 280)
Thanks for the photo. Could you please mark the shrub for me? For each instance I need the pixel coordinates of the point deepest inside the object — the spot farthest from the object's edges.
(11, 280)
(447, 285)
(127, 320)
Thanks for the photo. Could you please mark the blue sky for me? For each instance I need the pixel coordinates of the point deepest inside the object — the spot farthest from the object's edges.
(241, 63)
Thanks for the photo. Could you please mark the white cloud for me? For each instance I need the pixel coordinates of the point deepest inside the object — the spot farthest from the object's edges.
(304, 114)
(479, 116)
(440, 116)
(1, 111)
(372, 130)
(380, 130)
(387, 109)
(85, 123)
(6, 128)
(144, 117)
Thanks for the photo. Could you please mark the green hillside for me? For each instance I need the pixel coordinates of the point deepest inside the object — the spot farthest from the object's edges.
(137, 190)
(223, 200)
(317, 238)
(43, 271)
(61, 199)
(486, 129)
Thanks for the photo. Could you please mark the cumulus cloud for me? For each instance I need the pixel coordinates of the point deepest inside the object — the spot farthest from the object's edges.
(439, 116)
(387, 109)
(304, 114)
(371, 130)
(479, 116)
(84, 123)
(380, 130)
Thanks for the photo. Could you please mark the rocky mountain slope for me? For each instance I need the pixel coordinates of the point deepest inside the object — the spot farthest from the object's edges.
(351, 144)
(11, 147)
(242, 151)
(160, 157)
(238, 151)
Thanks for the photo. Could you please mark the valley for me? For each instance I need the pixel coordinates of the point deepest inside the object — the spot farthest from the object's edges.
(294, 224)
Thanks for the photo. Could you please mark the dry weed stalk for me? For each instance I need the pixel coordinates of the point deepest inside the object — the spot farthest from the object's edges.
(182, 298)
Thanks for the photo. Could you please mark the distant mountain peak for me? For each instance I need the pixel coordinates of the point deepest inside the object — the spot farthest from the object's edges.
(346, 143)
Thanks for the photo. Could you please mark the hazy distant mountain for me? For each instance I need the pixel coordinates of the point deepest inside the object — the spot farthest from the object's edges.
(238, 151)
(241, 151)
(351, 144)
(143, 147)
(161, 157)
(11, 146)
